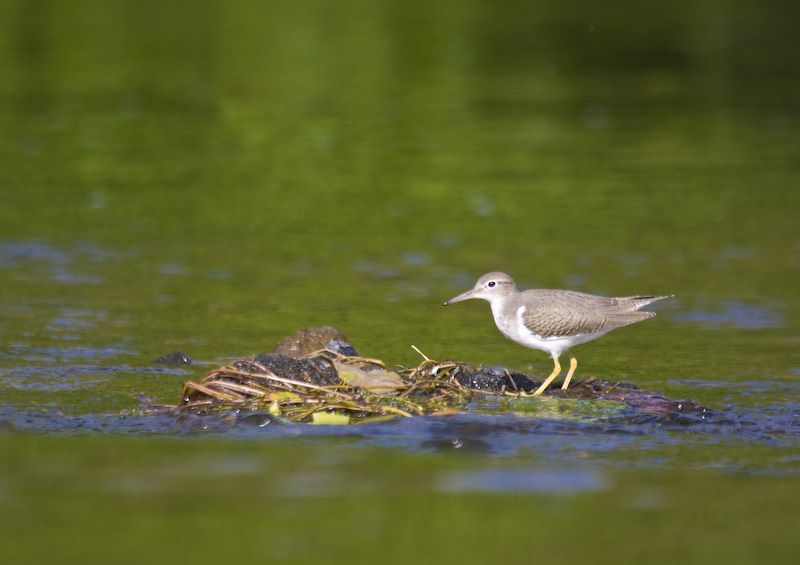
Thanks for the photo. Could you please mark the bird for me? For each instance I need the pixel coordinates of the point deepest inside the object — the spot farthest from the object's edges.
(554, 320)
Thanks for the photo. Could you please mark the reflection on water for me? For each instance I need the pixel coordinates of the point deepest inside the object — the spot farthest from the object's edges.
(620, 438)
(533, 481)
(736, 315)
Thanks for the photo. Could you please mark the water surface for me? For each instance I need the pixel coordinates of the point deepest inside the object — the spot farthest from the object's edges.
(210, 179)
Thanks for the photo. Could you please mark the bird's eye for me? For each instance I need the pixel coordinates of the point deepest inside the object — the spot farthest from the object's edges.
(491, 284)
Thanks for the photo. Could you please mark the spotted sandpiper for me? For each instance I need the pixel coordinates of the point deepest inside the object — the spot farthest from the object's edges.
(554, 320)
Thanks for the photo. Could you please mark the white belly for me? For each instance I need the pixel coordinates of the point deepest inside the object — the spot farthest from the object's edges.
(514, 329)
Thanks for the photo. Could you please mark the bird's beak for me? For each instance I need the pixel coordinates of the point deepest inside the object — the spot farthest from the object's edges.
(464, 296)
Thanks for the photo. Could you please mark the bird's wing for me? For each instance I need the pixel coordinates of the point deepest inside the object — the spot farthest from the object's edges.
(562, 313)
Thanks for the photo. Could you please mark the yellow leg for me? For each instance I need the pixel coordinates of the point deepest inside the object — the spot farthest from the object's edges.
(573, 364)
(548, 380)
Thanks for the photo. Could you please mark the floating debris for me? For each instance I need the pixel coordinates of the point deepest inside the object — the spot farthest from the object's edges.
(361, 388)
(329, 385)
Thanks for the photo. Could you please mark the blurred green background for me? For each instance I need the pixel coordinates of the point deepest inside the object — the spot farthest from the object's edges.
(212, 176)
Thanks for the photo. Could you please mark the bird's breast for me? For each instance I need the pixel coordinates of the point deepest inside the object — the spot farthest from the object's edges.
(510, 323)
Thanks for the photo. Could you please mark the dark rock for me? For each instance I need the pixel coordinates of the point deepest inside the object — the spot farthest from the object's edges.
(492, 379)
(317, 370)
(172, 359)
(341, 348)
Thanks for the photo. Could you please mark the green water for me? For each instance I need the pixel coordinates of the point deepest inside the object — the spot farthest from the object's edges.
(210, 178)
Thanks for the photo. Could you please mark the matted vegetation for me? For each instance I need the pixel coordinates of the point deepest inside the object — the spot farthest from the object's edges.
(333, 384)
(367, 389)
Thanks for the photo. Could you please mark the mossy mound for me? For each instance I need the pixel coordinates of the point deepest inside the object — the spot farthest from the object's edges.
(320, 381)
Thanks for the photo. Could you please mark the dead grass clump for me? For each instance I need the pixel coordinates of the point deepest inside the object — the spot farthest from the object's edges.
(368, 390)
